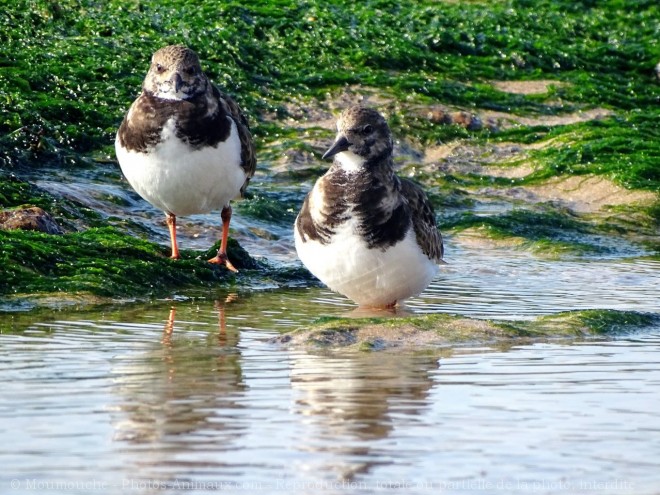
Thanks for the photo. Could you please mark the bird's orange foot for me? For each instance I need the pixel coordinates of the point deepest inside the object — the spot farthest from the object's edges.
(221, 259)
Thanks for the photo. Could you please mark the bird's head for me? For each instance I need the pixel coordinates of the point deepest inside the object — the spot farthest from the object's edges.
(363, 136)
(175, 74)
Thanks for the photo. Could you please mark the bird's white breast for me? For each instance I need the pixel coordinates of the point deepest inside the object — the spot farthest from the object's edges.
(370, 277)
(182, 180)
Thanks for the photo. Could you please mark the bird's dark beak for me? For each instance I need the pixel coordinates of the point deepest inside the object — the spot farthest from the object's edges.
(341, 144)
(178, 82)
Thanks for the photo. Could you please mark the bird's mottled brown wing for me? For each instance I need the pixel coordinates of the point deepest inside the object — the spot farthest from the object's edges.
(248, 152)
(423, 216)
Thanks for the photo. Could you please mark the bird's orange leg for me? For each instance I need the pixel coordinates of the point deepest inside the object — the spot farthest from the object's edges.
(171, 224)
(221, 258)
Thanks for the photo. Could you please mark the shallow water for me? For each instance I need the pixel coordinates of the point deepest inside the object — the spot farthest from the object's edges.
(516, 285)
(192, 395)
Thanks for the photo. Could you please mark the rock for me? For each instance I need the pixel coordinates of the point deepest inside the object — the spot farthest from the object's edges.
(441, 116)
(468, 120)
(29, 218)
(444, 330)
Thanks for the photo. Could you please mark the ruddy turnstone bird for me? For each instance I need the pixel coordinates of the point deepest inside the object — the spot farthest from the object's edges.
(362, 230)
(184, 146)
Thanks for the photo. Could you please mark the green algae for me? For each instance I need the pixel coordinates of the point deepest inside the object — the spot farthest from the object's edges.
(523, 222)
(16, 192)
(102, 261)
(76, 65)
(270, 206)
(73, 67)
(549, 232)
(107, 263)
(624, 149)
(379, 333)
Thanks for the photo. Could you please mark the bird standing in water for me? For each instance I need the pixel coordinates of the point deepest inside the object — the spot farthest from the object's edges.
(184, 146)
(362, 230)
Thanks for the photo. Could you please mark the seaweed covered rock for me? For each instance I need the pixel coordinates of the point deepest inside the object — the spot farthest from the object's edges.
(29, 218)
(443, 330)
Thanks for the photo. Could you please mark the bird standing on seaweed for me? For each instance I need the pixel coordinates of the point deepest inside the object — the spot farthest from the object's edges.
(184, 146)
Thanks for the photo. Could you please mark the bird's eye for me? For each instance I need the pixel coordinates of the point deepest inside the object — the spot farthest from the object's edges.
(160, 68)
(367, 129)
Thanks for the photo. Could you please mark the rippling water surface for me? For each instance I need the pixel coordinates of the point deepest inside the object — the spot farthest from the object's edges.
(520, 286)
(192, 395)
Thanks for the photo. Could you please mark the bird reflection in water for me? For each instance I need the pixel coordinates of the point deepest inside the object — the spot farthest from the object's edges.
(352, 401)
(223, 339)
(182, 394)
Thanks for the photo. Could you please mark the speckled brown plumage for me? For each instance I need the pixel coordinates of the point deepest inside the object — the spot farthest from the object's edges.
(426, 229)
(385, 204)
(362, 230)
(201, 118)
(185, 146)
